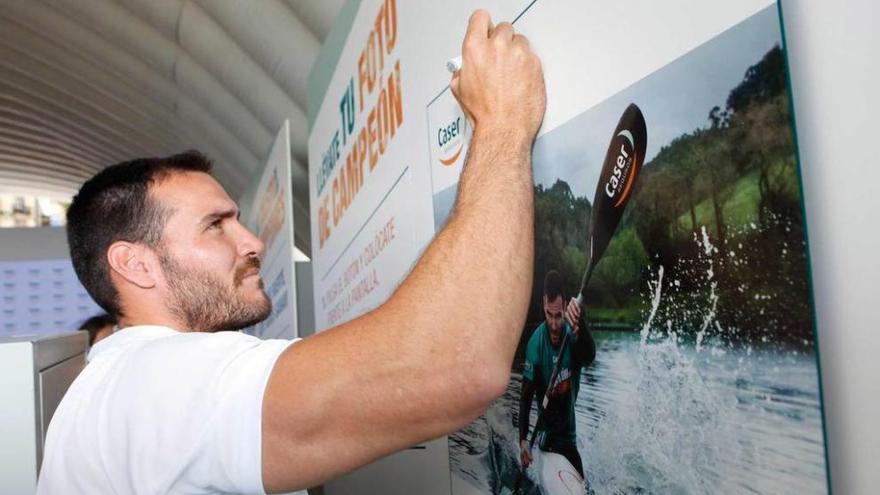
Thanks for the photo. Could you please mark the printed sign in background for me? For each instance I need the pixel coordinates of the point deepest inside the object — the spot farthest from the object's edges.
(270, 218)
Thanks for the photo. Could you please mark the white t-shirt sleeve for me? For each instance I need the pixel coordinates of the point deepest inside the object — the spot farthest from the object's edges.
(229, 457)
(194, 405)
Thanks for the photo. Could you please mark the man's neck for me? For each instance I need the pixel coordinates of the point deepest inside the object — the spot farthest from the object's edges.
(141, 316)
(558, 341)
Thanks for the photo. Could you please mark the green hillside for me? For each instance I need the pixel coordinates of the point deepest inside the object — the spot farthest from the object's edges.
(744, 197)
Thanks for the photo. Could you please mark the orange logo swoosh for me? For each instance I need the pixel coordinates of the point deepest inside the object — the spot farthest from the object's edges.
(449, 161)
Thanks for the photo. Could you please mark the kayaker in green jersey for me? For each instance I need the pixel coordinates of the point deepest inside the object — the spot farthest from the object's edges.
(557, 433)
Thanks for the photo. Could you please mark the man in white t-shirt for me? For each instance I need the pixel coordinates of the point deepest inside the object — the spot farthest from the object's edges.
(170, 403)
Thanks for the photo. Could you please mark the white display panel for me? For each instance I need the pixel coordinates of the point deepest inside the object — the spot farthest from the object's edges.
(271, 219)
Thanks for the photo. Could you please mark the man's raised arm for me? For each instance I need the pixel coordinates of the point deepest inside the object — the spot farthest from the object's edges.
(431, 358)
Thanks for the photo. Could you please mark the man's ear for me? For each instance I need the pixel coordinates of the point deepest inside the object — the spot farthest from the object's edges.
(133, 263)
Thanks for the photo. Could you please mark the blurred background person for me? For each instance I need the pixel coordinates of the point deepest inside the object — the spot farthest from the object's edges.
(99, 327)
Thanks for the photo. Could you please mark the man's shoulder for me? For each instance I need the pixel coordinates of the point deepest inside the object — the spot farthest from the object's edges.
(159, 400)
(180, 360)
(538, 333)
(192, 350)
(537, 338)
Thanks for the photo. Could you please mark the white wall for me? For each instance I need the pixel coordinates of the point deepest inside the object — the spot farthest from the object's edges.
(833, 50)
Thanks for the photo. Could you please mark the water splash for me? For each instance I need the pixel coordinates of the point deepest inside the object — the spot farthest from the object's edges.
(708, 251)
(657, 289)
(660, 440)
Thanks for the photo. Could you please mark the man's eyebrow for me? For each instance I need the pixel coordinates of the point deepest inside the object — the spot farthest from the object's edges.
(219, 215)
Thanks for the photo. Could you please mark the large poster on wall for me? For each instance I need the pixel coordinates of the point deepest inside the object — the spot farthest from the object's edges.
(694, 367)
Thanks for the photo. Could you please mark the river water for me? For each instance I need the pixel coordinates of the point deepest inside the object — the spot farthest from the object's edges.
(661, 414)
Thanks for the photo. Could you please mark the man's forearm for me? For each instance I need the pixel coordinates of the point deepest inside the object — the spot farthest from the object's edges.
(477, 273)
(480, 266)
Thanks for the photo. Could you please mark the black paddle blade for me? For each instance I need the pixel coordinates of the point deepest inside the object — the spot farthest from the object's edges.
(623, 162)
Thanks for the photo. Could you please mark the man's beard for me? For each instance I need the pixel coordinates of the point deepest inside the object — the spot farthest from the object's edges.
(207, 304)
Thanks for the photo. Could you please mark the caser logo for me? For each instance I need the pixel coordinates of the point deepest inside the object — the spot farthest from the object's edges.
(623, 176)
(451, 142)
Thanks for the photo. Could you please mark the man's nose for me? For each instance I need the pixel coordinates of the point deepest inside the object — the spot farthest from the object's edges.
(250, 245)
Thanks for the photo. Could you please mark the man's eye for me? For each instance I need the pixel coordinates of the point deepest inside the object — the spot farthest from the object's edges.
(215, 224)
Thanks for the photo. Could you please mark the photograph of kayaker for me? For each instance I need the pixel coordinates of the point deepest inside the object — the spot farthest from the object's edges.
(556, 432)
(670, 349)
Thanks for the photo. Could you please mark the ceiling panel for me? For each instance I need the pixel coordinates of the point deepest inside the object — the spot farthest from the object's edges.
(88, 83)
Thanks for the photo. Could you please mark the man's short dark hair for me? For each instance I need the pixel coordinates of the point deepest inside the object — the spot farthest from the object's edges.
(553, 287)
(95, 323)
(115, 205)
